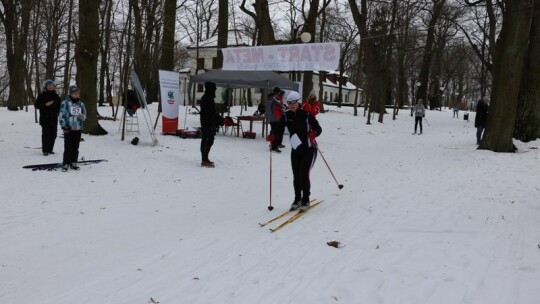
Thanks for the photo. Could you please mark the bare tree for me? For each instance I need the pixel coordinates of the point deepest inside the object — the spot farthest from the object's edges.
(528, 113)
(15, 16)
(508, 62)
(86, 57)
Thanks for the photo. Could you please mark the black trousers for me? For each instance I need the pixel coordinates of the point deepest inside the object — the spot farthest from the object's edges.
(207, 141)
(277, 129)
(418, 120)
(72, 140)
(48, 137)
(302, 161)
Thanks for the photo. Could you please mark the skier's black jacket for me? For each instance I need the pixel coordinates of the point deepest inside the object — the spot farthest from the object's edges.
(300, 123)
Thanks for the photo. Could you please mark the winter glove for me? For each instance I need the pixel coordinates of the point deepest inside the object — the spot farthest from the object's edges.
(312, 135)
(271, 138)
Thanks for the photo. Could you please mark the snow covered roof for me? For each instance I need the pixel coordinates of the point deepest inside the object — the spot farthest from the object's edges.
(234, 39)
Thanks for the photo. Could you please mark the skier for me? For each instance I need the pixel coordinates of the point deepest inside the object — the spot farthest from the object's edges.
(419, 114)
(48, 104)
(303, 128)
(72, 116)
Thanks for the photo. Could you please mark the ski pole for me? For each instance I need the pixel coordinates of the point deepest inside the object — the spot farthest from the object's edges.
(340, 186)
(427, 122)
(270, 149)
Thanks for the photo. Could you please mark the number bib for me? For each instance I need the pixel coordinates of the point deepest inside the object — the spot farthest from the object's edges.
(76, 110)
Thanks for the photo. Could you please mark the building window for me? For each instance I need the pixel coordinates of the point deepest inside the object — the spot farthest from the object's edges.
(200, 63)
(214, 63)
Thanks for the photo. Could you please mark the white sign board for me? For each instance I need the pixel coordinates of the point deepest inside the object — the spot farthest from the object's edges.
(170, 99)
(283, 57)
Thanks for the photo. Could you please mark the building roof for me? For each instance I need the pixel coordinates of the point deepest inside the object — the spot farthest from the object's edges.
(235, 38)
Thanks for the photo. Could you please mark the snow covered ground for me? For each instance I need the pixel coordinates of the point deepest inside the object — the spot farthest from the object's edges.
(421, 219)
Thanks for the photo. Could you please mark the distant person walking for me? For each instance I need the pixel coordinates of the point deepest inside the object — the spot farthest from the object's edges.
(303, 128)
(72, 116)
(482, 109)
(456, 111)
(48, 103)
(209, 123)
(419, 113)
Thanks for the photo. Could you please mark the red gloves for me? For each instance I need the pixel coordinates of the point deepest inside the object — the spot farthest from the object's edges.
(270, 137)
(312, 135)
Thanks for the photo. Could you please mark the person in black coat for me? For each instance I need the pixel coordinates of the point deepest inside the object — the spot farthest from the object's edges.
(48, 103)
(482, 109)
(209, 122)
(303, 128)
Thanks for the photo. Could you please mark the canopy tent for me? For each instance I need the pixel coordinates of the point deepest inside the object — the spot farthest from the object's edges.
(244, 79)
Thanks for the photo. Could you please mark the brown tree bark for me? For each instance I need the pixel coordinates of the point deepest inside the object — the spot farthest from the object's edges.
(528, 114)
(86, 56)
(423, 77)
(508, 64)
(15, 17)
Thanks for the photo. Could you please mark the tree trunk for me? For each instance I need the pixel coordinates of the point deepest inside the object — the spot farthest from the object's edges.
(508, 64)
(104, 50)
(528, 114)
(86, 56)
(223, 30)
(67, 65)
(16, 20)
(423, 77)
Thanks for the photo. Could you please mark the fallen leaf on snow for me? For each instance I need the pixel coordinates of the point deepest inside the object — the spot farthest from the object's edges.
(335, 244)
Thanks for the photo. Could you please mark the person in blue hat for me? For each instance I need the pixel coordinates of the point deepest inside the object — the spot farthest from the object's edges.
(48, 104)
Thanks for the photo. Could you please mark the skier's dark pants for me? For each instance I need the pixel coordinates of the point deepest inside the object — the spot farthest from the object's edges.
(277, 129)
(72, 140)
(416, 121)
(302, 161)
(207, 140)
(48, 137)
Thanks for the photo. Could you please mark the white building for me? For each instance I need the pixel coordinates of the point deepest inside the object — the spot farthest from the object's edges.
(204, 58)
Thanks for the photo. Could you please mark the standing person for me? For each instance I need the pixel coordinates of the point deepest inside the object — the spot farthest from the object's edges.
(209, 123)
(419, 114)
(303, 128)
(72, 116)
(48, 103)
(482, 109)
(311, 105)
(274, 112)
(456, 111)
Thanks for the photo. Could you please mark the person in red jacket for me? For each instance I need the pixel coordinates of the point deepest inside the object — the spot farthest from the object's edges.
(311, 105)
